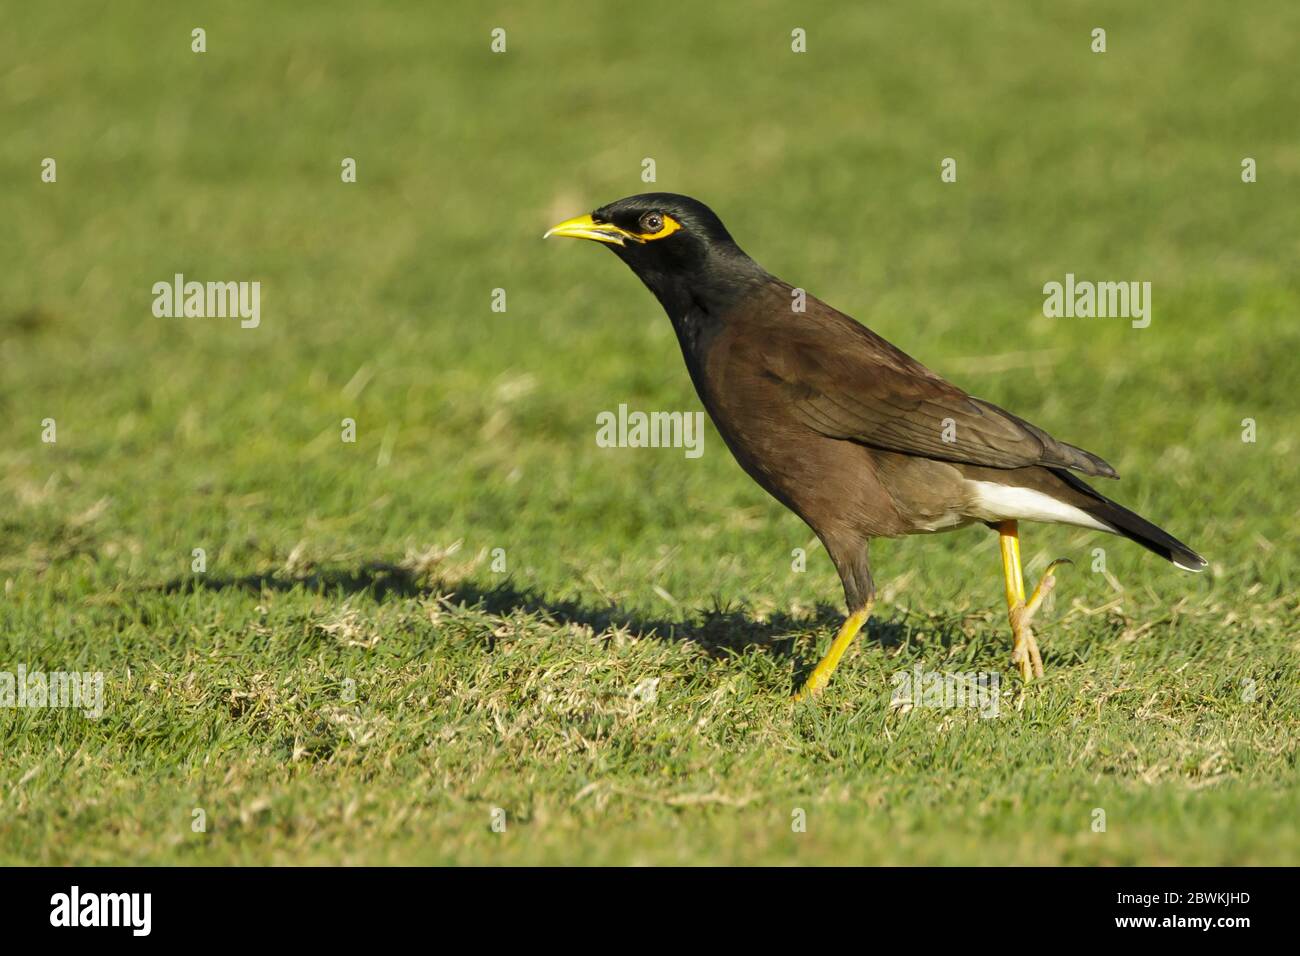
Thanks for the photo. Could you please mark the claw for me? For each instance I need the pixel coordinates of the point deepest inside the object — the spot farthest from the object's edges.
(1025, 652)
(1045, 585)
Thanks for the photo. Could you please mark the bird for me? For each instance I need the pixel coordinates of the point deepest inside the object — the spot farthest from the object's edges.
(853, 435)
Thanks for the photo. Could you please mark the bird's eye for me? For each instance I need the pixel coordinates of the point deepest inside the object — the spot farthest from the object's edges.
(652, 222)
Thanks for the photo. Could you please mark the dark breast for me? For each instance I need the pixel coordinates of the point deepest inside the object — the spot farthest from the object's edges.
(832, 485)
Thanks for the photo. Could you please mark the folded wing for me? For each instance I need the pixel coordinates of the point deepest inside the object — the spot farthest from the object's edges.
(846, 382)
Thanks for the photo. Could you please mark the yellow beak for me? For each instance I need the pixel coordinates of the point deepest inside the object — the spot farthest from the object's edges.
(584, 227)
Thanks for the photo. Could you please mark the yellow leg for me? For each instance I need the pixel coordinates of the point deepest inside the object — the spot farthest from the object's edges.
(821, 674)
(1024, 651)
(1009, 538)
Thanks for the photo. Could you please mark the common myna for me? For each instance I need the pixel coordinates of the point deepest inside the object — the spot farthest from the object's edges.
(855, 436)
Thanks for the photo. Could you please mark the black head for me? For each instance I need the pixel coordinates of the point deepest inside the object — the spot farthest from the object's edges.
(675, 244)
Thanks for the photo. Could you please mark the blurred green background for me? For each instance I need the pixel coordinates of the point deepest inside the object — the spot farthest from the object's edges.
(628, 571)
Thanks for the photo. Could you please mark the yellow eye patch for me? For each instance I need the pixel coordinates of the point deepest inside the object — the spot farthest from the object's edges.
(586, 227)
(670, 226)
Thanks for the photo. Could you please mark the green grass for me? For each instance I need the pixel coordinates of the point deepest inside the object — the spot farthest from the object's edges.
(351, 681)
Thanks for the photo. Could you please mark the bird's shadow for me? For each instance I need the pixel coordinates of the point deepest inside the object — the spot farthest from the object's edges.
(719, 631)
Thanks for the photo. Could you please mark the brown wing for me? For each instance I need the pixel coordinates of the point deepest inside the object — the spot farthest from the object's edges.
(846, 382)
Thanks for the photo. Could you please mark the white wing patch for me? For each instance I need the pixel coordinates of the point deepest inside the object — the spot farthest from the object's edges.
(995, 502)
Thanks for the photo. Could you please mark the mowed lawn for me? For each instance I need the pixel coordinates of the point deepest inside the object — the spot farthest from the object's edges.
(474, 636)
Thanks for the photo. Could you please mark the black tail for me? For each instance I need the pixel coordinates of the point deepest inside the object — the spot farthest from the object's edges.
(1134, 526)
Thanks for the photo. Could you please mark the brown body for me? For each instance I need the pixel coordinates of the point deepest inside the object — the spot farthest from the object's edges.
(759, 373)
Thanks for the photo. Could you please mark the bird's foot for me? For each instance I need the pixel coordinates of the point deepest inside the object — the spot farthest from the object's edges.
(812, 688)
(821, 674)
(1024, 650)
